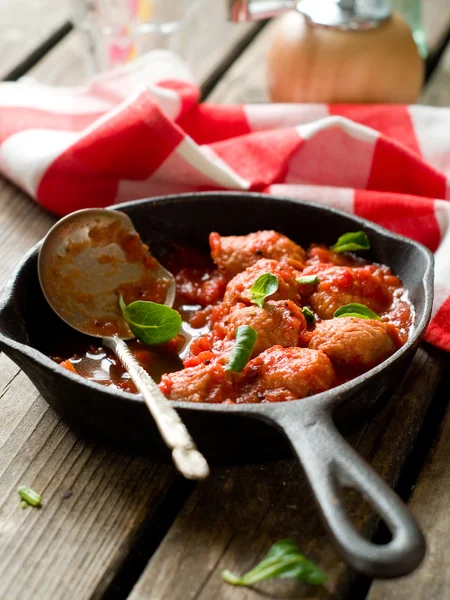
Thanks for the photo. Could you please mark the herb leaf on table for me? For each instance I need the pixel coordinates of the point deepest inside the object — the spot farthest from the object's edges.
(29, 496)
(284, 560)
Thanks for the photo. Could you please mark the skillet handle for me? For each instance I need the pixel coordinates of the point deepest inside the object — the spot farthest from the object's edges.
(330, 465)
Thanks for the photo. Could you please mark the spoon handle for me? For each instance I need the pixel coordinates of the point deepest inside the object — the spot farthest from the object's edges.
(188, 460)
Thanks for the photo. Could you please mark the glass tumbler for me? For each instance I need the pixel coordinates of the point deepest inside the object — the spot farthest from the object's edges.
(118, 31)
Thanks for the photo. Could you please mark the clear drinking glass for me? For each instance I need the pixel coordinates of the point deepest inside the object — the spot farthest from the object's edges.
(118, 31)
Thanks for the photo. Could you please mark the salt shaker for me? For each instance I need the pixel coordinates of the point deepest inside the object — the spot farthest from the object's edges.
(337, 51)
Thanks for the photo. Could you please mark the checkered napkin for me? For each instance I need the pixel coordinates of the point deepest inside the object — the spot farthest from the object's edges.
(140, 131)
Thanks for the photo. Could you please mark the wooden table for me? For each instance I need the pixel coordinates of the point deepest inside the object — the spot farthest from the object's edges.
(118, 526)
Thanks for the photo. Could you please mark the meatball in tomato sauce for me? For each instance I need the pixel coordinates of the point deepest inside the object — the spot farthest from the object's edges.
(278, 323)
(238, 289)
(295, 347)
(206, 382)
(235, 253)
(338, 286)
(355, 345)
(277, 375)
(283, 374)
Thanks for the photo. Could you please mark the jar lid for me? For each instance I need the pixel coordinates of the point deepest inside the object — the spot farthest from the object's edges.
(344, 14)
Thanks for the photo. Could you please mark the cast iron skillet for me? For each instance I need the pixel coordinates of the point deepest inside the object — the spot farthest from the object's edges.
(29, 328)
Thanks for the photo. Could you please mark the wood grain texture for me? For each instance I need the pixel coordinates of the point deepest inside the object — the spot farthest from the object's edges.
(96, 500)
(435, 19)
(429, 500)
(22, 224)
(24, 25)
(208, 41)
(437, 92)
(430, 504)
(73, 546)
(233, 518)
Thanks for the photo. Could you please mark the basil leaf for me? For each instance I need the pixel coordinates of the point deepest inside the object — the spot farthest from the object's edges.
(284, 560)
(308, 280)
(242, 349)
(361, 311)
(150, 322)
(308, 314)
(264, 286)
(29, 496)
(350, 242)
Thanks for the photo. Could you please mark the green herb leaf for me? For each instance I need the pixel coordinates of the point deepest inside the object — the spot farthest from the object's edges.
(308, 314)
(29, 496)
(264, 286)
(242, 349)
(361, 311)
(284, 560)
(308, 280)
(350, 242)
(151, 323)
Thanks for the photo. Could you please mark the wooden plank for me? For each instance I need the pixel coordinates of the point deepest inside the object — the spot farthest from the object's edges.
(25, 25)
(437, 92)
(436, 21)
(22, 224)
(208, 42)
(430, 504)
(74, 547)
(95, 501)
(430, 497)
(233, 518)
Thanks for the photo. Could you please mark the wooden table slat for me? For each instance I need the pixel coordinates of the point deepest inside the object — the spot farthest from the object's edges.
(429, 503)
(210, 38)
(97, 500)
(25, 25)
(437, 92)
(234, 517)
(74, 547)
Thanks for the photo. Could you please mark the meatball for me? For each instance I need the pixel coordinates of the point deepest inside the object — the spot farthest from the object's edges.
(202, 383)
(282, 374)
(278, 323)
(343, 285)
(238, 289)
(353, 344)
(235, 253)
(318, 254)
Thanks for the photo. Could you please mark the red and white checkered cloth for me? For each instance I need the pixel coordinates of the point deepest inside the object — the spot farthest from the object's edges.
(140, 131)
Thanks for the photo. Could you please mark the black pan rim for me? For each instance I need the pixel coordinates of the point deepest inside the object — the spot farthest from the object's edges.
(325, 398)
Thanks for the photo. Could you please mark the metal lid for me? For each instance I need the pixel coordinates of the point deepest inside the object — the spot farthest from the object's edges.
(345, 14)
(356, 15)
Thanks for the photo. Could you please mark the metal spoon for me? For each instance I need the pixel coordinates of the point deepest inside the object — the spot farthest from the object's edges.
(82, 262)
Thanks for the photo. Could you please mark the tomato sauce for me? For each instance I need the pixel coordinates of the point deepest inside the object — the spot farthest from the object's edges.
(294, 356)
